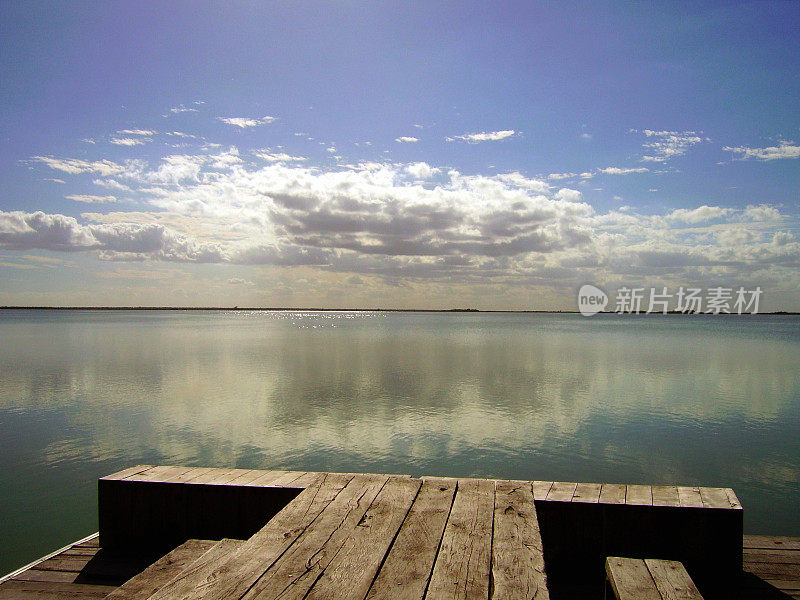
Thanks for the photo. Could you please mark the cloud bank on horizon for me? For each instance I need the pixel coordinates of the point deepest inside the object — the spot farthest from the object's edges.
(207, 201)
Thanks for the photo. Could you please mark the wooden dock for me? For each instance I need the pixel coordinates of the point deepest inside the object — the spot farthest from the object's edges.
(178, 532)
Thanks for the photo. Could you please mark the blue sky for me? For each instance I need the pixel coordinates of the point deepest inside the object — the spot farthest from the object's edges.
(396, 154)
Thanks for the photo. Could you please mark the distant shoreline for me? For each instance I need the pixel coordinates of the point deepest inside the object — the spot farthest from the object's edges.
(397, 310)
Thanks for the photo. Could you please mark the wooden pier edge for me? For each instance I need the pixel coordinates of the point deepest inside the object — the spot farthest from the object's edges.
(155, 508)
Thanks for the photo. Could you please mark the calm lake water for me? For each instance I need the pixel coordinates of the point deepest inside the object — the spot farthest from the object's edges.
(693, 400)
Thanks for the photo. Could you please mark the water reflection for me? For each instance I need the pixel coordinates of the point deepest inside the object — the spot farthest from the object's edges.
(710, 401)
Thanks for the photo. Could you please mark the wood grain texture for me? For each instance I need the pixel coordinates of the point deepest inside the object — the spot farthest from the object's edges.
(613, 493)
(294, 573)
(352, 569)
(162, 571)
(630, 579)
(518, 569)
(690, 496)
(665, 495)
(587, 492)
(672, 580)
(561, 491)
(407, 569)
(714, 497)
(463, 564)
(541, 489)
(640, 495)
(231, 577)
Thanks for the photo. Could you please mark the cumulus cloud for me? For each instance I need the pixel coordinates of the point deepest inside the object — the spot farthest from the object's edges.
(761, 212)
(697, 215)
(484, 136)
(421, 170)
(406, 139)
(27, 231)
(783, 150)
(395, 221)
(91, 199)
(244, 122)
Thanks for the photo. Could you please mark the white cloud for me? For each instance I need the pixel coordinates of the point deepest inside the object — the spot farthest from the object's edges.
(569, 195)
(484, 136)
(75, 166)
(240, 281)
(182, 109)
(406, 139)
(783, 150)
(395, 221)
(668, 144)
(91, 198)
(762, 212)
(421, 170)
(697, 215)
(118, 241)
(278, 156)
(129, 141)
(622, 170)
(143, 132)
(244, 122)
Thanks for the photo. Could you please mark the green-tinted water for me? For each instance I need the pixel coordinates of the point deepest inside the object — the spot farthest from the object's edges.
(696, 400)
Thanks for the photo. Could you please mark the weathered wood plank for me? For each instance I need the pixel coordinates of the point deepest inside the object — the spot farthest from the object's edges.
(158, 473)
(518, 569)
(774, 570)
(353, 568)
(295, 572)
(613, 493)
(232, 577)
(405, 573)
(128, 472)
(209, 476)
(561, 491)
(587, 492)
(40, 575)
(690, 496)
(167, 567)
(761, 555)
(266, 478)
(463, 564)
(769, 541)
(308, 478)
(188, 475)
(733, 500)
(541, 489)
(672, 580)
(49, 590)
(288, 479)
(246, 477)
(630, 579)
(80, 551)
(92, 542)
(64, 563)
(665, 495)
(714, 497)
(640, 495)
